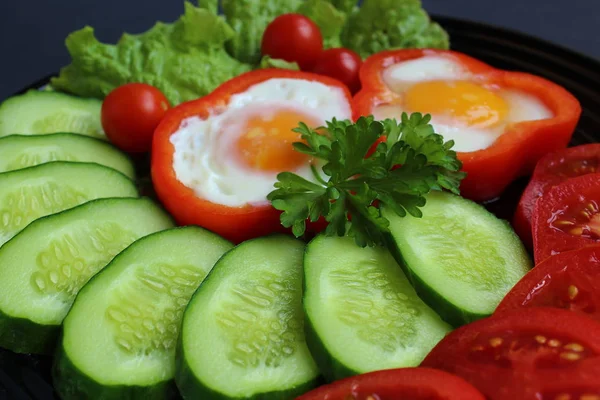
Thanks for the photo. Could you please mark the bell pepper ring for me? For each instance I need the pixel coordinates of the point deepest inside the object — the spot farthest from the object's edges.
(516, 151)
(235, 223)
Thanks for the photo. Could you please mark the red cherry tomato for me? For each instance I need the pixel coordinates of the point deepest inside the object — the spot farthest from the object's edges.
(131, 113)
(528, 354)
(341, 64)
(293, 38)
(551, 170)
(570, 280)
(394, 384)
(567, 217)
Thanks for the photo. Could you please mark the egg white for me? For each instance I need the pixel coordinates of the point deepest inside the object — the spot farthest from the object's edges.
(400, 77)
(204, 156)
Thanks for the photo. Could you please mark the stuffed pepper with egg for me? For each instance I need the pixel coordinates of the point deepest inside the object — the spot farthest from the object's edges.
(502, 122)
(215, 159)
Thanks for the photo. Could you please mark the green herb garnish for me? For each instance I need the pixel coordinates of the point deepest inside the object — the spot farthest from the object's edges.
(402, 169)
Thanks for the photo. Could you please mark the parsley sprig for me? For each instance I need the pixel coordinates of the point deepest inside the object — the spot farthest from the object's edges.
(402, 169)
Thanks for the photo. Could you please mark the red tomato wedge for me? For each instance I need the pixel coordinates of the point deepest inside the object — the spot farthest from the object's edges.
(551, 170)
(567, 217)
(570, 280)
(529, 354)
(395, 384)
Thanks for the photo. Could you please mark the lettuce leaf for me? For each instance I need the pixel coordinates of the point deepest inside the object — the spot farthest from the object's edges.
(249, 19)
(329, 19)
(390, 24)
(268, 62)
(344, 5)
(210, 5)
(375, 26)
(185, 60)
(189, 58)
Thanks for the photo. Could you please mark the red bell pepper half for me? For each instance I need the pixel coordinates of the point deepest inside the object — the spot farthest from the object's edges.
(517, 150)
(233, 223)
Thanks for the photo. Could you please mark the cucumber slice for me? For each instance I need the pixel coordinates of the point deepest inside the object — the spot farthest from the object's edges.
(37, 112)
(362, 314)
(119, 337)
(20, 151)
(43, 268)
(242, 334)
(461, 259)
(31, 193)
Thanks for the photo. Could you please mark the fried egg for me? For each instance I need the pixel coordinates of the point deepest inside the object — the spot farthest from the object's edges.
(463, 108)
(233, 157)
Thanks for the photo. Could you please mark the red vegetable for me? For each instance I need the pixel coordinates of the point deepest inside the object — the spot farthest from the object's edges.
(570, 280)
(341, 64)
(293, 38)
(567, 217)
(234, 223)
(551, 170)
(513, 154)
(131, 113)
(396, 384)
(529, 354)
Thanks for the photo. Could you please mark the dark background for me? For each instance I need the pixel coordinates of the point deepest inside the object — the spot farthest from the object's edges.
(32, 32)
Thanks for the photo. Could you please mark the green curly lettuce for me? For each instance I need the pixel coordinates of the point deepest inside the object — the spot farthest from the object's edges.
(249, 19)
(185, 60)
(189, 58)
(375, 26)
(268, 62)
(344, 5)
(391, 24)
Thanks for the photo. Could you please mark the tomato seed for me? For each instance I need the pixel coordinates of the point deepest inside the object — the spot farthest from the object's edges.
(573, 292)
(585, 214)
(564, 222)
(570, 356)
(540, 339)
(576, 231)
(496, 342)
(574, 347)
(554, 343)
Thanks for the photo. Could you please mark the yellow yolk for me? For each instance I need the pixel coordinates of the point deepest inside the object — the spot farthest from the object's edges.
(267, 143)
(465, 101)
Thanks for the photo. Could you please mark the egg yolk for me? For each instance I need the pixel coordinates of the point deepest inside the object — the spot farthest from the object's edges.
(267, 143)
(465, 101)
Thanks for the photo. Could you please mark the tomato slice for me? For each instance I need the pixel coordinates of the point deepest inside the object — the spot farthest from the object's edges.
(524, 354)
(582, 386)
(551, 170)
(395, 384)
(570, 280)
(567, 217)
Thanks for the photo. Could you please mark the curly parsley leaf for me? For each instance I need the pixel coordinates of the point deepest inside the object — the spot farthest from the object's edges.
(363, 165)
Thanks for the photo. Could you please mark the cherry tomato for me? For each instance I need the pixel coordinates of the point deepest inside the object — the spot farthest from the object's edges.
(570, 280)
(551, 170)
(393, 384)
(341, 64)
(131, 113)
(567, 217)
(294, 38)
(528, 354)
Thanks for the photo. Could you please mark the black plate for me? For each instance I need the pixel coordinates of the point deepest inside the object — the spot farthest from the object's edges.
(28, 377)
